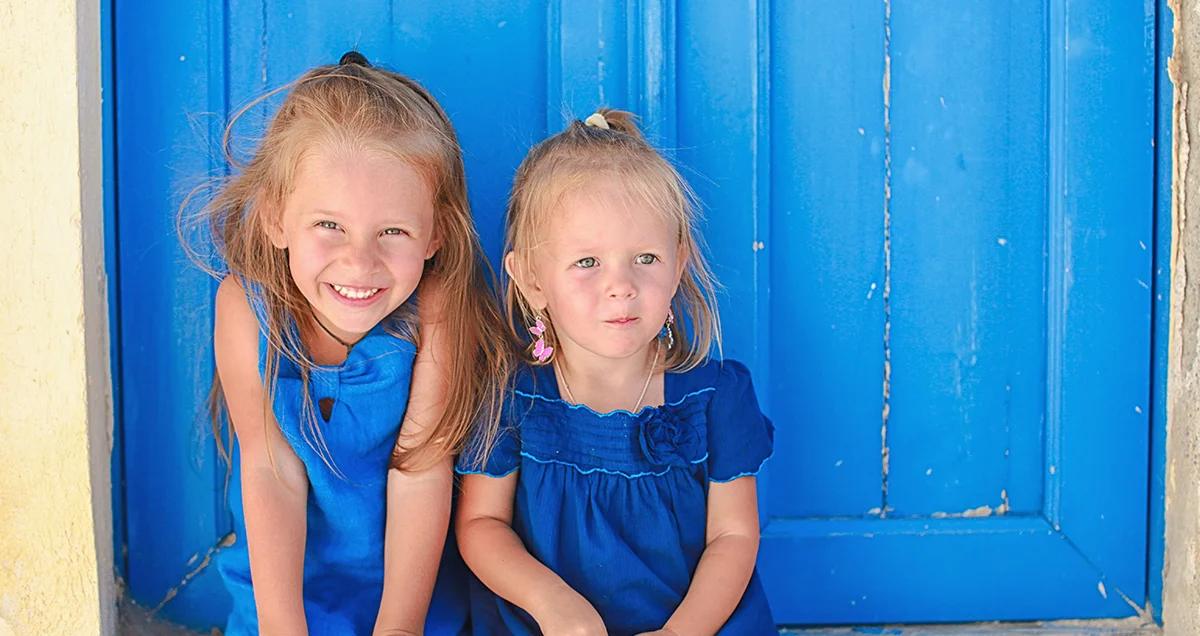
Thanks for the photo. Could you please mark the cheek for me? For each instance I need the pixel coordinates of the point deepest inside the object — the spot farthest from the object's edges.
(658, 283)
(307, 256)
(565, 296)
(406, 261)
(578, 292)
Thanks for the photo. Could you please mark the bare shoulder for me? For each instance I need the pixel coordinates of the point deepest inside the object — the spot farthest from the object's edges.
(235, 334)
(235, 347)
(232, 300)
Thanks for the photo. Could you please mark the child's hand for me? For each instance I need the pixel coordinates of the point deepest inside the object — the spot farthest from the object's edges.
(572, 615)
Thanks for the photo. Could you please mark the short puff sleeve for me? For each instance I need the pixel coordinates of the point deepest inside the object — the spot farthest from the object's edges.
(502, 458)
(740, 437)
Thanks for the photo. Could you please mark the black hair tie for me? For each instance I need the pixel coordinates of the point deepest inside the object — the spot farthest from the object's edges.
(354, 57)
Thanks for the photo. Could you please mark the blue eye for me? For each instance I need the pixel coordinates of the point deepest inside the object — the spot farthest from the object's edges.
(586, 263)
(328, 225)
(645, 259)
(394, 231)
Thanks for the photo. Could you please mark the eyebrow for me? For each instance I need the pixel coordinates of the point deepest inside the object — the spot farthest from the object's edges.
(594, 246)
(392, 220)
(321, 212)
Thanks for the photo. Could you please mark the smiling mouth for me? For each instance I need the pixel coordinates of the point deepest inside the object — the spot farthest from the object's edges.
(621, 321)
(355, 293)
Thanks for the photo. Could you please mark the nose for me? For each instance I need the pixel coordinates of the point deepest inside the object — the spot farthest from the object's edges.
(361, 257)
(620, 284)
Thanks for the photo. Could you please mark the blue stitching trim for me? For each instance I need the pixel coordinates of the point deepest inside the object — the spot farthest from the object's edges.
(618, 411)
(753, 473)
(588, 471)
(484, 472)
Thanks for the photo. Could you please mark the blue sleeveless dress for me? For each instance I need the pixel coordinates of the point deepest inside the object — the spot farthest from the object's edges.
(615, 503)
(343, 559)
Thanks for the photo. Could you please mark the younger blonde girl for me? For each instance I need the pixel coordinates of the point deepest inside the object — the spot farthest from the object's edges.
(619, 497)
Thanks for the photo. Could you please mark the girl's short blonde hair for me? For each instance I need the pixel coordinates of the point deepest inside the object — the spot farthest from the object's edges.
(609, 146)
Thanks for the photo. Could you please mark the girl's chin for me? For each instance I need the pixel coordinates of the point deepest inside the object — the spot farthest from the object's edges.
(622, 350)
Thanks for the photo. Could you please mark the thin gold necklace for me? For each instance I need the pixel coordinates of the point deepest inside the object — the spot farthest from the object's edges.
(653, 365)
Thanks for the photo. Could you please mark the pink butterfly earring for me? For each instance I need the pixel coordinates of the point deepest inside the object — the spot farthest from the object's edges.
(540, 350)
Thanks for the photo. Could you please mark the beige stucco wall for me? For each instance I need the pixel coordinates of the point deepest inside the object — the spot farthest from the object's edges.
(1181, 572)
(56, 573)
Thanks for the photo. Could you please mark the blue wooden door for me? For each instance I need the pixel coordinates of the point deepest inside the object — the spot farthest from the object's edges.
(932, 219)
(961, 211)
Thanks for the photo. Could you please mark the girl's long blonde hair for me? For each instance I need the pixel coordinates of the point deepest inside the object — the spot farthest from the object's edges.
(610, 146)
(357, 106)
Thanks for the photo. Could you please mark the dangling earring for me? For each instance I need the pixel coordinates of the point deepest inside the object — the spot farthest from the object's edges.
(540, 350)
(667, 331)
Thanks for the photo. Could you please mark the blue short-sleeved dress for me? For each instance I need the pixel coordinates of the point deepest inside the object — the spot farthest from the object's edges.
(615, 503)
(343, 559)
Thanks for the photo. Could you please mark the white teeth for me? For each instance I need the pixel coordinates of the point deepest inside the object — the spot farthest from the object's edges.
(356, 294)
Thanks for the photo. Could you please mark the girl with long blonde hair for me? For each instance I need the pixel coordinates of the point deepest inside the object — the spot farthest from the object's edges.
(352, 206)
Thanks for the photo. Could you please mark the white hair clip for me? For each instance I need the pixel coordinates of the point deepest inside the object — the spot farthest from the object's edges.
(596, 120)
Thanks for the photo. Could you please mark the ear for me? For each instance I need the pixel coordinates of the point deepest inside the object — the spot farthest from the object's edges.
(526, 281)
(683, 255)
(435, 244)
(273, 224)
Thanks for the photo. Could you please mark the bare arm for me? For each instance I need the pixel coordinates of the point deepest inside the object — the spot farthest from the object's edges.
(274, 496)
(418, 516)
(497, 556)
(727, 564)
(418, 503)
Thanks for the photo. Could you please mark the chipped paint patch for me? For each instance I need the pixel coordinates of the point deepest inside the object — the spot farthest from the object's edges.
(885, 452)
(225, 542)
(982, 511)
(976, 513)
